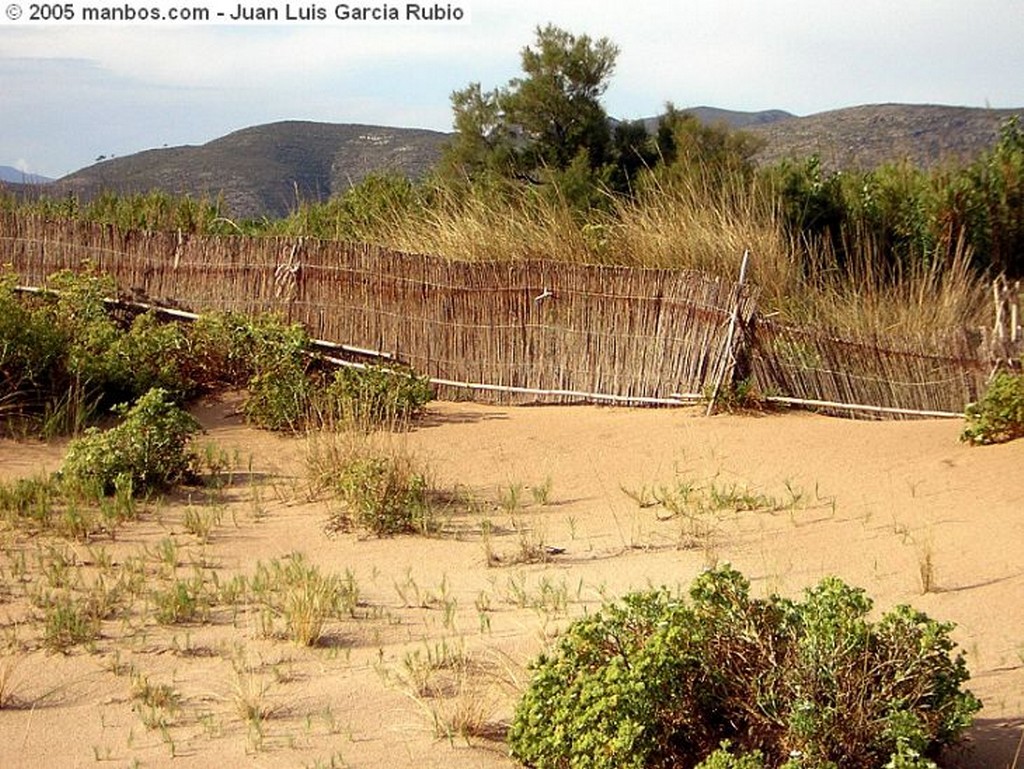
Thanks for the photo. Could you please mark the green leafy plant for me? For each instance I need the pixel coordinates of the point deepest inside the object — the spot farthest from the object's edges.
(149, 448)
(150, 354)
(183, 601)
(382, 489)
(656, 680)
(376, 396)
(279, 398)
(156, 704)
(304, 599)
(67, 623)
(724, 759)
(384, 495)
(999, 416)
(65, 359)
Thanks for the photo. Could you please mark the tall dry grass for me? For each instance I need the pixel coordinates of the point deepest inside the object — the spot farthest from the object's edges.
(691, 224)
(706, 225)
(921, 299)
(489, 225)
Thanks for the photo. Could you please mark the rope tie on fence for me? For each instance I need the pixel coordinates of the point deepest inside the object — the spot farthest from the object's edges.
(286, 276)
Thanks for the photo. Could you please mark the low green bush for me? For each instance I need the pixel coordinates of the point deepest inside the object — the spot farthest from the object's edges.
(376, 396)
(221, 349)
(999, 415)
(384, 495)
(382, 489)
(149, 354)
(149, 449)
(64, 360)
(279, 398)
(658, 681)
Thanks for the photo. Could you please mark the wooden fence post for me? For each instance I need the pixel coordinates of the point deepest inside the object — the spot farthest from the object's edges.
(728, 359)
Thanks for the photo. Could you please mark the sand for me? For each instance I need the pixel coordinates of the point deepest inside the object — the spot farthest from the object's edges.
(880, 504)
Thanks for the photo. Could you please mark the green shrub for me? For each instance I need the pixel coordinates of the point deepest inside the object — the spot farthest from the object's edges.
(149, 355)
(220, 350)
(302, 597)
(28, 348)
(656, 680)
(724, 759)
(376, 396)
(68, 623)
(287, 391)
(362, 213)
(39, 344)
(78, 312)
(279, 399)
(63, 359)
(381, 489)
(999, 415)
(149, 449)
(280, 384)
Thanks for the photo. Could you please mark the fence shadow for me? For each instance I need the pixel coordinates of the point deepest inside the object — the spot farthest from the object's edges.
(991, 744)
(433, 418)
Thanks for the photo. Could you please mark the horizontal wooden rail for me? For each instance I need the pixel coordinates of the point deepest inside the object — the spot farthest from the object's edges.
(172, 312)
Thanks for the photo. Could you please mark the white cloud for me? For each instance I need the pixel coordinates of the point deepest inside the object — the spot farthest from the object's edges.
(213, 56)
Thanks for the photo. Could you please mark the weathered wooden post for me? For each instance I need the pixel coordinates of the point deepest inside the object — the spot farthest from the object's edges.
(728, 359)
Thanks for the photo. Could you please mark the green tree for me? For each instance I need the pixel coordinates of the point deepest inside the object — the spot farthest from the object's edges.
(482, 139)
(995, 213)
(541, 124)
(635, 151)
(557, 104)
(713, 153)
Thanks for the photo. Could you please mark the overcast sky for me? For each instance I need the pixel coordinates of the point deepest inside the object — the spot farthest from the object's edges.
(69, 94)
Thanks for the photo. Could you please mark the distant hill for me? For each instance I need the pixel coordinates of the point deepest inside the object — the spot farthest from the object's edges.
(16, 176)
(264, 170)
(867, 136)
(732, 118)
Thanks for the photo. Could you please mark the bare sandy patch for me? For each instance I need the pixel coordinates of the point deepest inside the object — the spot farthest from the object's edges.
(562, 512)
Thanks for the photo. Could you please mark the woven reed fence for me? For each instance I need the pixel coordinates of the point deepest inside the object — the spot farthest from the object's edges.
(524, 331)
(939, 375)
(564, 329)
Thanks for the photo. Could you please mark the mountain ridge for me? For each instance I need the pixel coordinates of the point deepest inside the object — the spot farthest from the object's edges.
(265, 170)
(17, 176)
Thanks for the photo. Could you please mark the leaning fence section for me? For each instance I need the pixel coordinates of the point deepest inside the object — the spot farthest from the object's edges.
(869, 376)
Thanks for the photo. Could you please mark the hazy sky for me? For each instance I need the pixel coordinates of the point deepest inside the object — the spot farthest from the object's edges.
(71, 93)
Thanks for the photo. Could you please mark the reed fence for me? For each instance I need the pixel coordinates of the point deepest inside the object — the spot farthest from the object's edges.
(511, 331)
(519, 327)
(935, 376)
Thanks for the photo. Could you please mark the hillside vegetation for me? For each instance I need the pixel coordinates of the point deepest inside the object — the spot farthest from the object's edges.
(872, 135)
(265, 170)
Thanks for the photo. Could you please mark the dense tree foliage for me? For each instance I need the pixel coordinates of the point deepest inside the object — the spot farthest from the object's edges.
(544, 119)
(549, 125)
